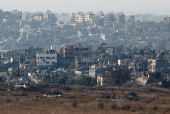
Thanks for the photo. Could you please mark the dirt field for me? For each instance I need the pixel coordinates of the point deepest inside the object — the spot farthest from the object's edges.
(87, 100)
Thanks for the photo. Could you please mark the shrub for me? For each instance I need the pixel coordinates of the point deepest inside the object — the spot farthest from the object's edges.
(4, 85)
(56, 92)
(149, 100)
(100, 105)
(74, 103)
(151, 80)
(167, 110)
(72, 66)
(165, 83)
(131, 84)
(61, 81)
(126, 107)
(113, 106)
(71, 81)
(133, 110)
(140, 108)
(15, 94)
(136, 99)
(80, 89)
(8, 100)
(24, 94)
(17, 99)
(133, 94)
(154, 108)
(36, 97)
(87, 81)
(1, 80)
(152, 85)
(67, 88)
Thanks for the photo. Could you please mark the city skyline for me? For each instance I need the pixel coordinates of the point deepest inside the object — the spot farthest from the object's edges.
(128, 7)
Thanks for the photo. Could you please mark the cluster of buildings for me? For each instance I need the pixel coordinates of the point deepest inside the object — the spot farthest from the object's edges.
(47, 29)
(41, 48)
(73, 61)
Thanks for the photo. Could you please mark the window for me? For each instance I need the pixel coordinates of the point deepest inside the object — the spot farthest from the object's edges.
(47, 62)
(47, 58)
(41, 57)
(53, 57)
(28, 57)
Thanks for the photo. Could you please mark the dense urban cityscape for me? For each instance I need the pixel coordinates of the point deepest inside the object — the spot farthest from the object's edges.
(84, 50)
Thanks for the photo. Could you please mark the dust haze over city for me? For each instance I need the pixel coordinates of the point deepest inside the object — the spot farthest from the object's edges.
(159, 7)
(73, 56)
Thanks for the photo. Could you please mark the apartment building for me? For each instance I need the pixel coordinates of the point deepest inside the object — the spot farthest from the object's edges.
(109, 19)
(77, 50)
(124, 63)
(80, 17)
(132, 19)
(1, 16)
(1, 20)
(12, 15)
(68, 51)
(27, 30)
(35, 16)
(121, 18)
(46, 59)
(166, 19)
(49, 17)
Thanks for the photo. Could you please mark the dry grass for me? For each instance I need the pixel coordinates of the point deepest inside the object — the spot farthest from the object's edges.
(87, 101)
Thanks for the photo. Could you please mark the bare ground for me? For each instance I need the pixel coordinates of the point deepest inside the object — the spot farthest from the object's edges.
(88, 101)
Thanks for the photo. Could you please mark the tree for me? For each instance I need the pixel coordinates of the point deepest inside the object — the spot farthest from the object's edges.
(61, 81)
(151, 80)
(87, 81)
(71, 81)
(118, 76)
(72, 74)
(46, 78)
(165, 83)
(153, 52)
(57, 75)
(72, 66)
(1, 80)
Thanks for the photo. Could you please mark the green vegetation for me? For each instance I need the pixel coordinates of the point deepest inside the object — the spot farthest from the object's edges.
(151, 80)
(149, 100)
(100, 105)
(165, 83)
(61, 81)
(130, 84)
(71, 81)
(113, 106)
(74, 103)
(72, 66)
(1, 80)
(126, 107)
(87, 81)
(118, 76)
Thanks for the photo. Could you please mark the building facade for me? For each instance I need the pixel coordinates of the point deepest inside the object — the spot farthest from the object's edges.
(46, 59)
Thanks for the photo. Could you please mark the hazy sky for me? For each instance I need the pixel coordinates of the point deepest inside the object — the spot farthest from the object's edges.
(160, 7)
